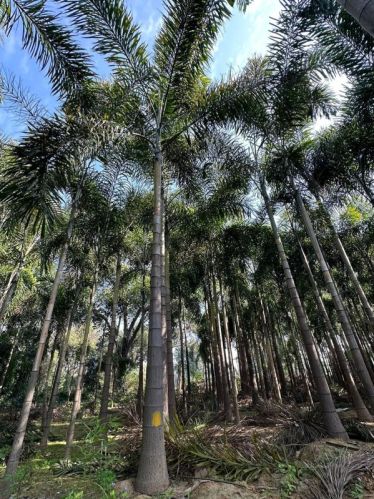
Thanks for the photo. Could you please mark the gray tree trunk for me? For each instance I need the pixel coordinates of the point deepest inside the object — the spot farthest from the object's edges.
(347, 262)
(140, 394)
(334, 426)
(82, 362)
(358, 403)
(19, 437)
(152, 475)
(218, 331)
(169, 339)
(357, 357)
(183, 372)
(9, 360)
(111, 341)
(57, 378)
(234, 390)
(362, 11)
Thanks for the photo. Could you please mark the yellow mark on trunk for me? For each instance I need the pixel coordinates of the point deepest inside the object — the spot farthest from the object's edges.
(156, 419)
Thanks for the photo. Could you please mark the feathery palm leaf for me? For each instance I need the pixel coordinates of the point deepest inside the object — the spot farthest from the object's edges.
(50, 43)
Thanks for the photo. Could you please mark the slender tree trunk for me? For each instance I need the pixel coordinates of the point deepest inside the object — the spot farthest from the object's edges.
(140, 395)
(49, 364)
(189, 387)
(234, 391)
(347, 263)
(216, 362)
(359, 405)
(79, 383)
(183, 373)
(98, 371)
(164, 331)
(276, 387)
(57, 377)
(357, 357)
(218, 332)
(169, 338)
(152, 475)
(362, 11)
(111, 341)
(27, 403)
(331, 418)
(9, 360)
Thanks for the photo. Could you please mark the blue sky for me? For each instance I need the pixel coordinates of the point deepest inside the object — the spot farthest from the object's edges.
(243, 35)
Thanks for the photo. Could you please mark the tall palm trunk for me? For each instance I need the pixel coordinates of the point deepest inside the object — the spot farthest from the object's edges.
(57, 377)
(357, 357)
(9, 360)
(152, 475)
(234, 390)
(163, 311)
(49, 364)
(359, 405)
(82, 362)
(331, 418)
(348, 265)
(140, 395)
(183, 372)
(218, 332)
(169, 337)
(19, 437)
(111, 341)
(276, 386)
(362, 11)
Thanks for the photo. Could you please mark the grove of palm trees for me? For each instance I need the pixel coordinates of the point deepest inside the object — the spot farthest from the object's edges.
(187, 257)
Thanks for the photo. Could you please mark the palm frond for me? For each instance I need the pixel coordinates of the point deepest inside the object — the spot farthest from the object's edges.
(116, 36)
(19, 101)
(50, 43)
(184, 44)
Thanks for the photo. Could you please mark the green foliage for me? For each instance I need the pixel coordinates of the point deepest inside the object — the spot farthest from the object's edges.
(290, 478)
(74, 495)
(49, 42)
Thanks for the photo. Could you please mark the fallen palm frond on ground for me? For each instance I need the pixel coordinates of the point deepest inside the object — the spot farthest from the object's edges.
(335, 477)
(191, 448)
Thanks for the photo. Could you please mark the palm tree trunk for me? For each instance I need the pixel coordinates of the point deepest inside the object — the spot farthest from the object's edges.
(234, 390)
(276, 387)
(82, 362)
(49, 365)
(29, 396)
(362, 11)
(140, 395)
(357, 357)
(152, 475)
(331, 418)
(218, 332)
(358, 403)
(216, 361)
(163, 311)
(57, 377)
(347, 262)
(111, 341)
(169, 338)
(9, 360)
(183, 373)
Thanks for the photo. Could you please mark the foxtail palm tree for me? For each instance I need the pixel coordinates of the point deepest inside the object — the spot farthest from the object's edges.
(172, 100)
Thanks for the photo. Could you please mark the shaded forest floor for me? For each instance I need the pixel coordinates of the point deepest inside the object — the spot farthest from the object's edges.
(277, 452)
